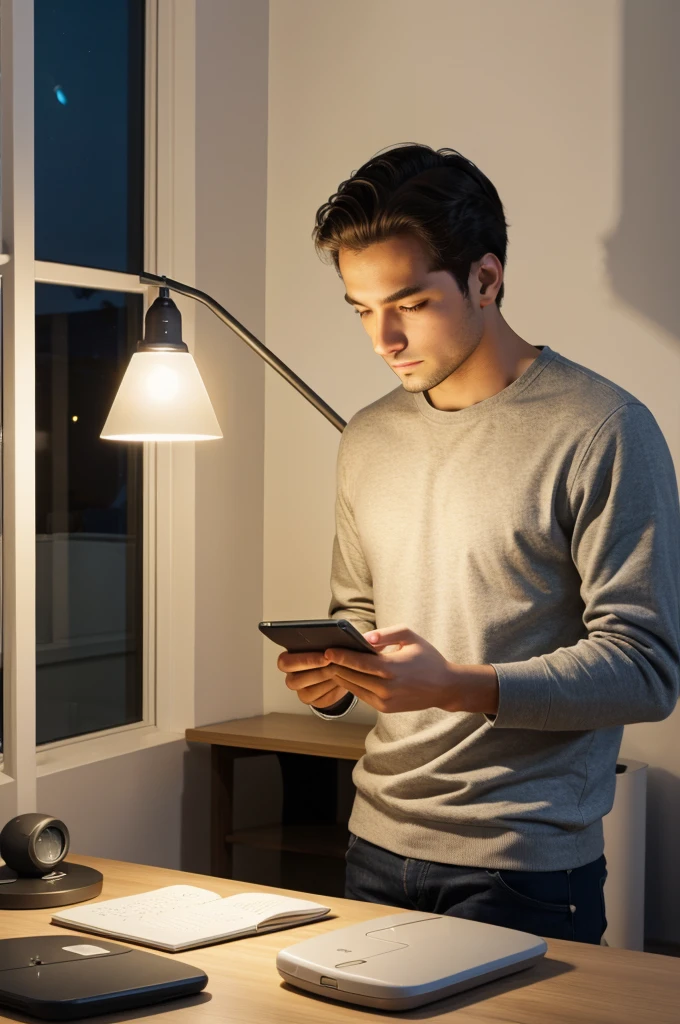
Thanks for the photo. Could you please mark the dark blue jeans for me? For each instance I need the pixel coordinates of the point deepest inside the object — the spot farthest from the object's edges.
(553, 904)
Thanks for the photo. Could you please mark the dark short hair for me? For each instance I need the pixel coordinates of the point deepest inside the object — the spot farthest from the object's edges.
(438, 196)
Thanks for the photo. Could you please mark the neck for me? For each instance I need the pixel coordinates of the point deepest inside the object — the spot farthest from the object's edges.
(500, 358)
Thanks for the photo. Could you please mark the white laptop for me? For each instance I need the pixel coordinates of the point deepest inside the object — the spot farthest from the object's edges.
(405, 960)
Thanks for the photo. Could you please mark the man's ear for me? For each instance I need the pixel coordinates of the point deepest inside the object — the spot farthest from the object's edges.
(488, 273)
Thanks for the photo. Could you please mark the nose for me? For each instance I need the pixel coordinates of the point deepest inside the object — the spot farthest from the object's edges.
(387, 335)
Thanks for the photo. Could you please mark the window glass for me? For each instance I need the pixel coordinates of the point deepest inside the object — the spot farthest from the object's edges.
(89, 143)
(89, 517)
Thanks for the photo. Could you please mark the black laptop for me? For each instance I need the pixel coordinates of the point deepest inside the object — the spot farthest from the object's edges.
(62, 977)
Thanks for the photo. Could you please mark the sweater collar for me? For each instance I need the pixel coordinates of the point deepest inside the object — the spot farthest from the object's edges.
(472, 412)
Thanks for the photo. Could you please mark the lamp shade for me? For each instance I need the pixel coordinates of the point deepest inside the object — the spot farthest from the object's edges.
(161, 398)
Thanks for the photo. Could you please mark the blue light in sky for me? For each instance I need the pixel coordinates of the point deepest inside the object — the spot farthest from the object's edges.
(61, 95)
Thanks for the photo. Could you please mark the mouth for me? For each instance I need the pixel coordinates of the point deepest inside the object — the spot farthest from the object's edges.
(405, 366)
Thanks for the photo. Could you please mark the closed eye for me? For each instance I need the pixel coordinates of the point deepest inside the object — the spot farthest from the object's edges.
(405, 309)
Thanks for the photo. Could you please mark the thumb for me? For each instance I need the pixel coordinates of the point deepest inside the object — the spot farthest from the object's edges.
(390, 635)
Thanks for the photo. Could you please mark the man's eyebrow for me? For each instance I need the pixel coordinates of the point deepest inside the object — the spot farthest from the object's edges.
(403, 293)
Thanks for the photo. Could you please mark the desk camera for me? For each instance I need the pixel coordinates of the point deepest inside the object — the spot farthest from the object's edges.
(33, 847)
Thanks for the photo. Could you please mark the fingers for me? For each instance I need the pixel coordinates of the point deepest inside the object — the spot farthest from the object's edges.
(309, 674)
(367, 696)
(311, 677)
(297, 662)
(322, 695)
(337, 693)
(369, 684)
(400, 634)
(368, 664)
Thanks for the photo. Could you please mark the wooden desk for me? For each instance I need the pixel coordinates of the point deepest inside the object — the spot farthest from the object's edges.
(281, 734)
(574, 984)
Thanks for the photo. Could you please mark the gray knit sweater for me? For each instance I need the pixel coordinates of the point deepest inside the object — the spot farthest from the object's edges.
(537, 531)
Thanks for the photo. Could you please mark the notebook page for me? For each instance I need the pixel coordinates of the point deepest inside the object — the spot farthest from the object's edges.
(179, 917)
(183, 926)
(115, 913)
(268, 908)
(223, 919)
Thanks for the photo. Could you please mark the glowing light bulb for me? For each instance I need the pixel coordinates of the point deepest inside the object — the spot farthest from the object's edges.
(162, 384)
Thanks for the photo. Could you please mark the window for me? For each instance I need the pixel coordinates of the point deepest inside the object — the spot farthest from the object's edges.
(89, 189)
(79, 671)
(88, 517)
(89, 133)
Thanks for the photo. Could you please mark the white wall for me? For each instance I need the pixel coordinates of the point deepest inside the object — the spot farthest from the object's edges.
(567, 107)
(129, 807)
(231, 193)
(231, 183)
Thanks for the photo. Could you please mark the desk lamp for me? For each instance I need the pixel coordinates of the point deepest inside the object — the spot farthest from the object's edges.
(162, 396)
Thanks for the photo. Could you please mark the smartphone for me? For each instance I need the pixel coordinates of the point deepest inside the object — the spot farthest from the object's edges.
(316, 635)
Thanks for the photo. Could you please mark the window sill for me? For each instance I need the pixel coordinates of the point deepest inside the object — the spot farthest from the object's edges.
(85, 751)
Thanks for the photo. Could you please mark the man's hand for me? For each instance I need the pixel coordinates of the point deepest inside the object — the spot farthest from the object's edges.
(310, 674)
(413, 675)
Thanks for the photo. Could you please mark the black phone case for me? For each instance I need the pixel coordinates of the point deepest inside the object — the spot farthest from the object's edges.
(316, 635)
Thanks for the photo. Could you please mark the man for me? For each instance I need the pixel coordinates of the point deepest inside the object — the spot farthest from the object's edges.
(507, 538)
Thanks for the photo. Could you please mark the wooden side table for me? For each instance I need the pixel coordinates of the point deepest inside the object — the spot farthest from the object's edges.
(309, 816)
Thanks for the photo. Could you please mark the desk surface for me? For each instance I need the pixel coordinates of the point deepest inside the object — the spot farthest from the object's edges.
(574, 983)
(294, 734)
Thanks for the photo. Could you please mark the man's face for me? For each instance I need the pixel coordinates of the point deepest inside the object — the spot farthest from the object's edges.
(435, 328)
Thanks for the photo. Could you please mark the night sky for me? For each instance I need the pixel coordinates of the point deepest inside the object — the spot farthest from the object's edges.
(89, 133)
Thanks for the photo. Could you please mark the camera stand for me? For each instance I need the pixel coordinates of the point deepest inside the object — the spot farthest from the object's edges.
(68, 883)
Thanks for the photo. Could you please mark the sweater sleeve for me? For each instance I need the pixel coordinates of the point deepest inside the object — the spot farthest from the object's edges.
(341, 708)
(626, 547)
(351, 579)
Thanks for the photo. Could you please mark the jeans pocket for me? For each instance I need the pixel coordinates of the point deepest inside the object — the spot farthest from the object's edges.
(350, 843)
(527, 888)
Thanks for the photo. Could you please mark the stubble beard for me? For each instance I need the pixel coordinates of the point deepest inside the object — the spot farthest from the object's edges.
(472, 338)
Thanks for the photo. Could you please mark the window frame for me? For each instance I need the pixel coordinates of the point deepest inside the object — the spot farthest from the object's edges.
(168, 470)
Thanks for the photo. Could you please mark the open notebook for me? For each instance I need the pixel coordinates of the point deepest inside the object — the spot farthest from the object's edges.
(180, 917)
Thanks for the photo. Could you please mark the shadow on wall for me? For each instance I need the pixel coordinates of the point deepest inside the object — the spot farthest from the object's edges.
(662, 892)
(642, 250)
(195, 835)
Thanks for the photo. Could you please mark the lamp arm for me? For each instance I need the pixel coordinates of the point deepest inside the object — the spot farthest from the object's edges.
(250, 339)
